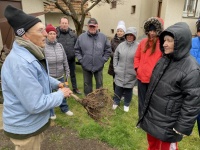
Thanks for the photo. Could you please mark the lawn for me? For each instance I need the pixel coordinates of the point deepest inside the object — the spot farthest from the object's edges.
(121, 132)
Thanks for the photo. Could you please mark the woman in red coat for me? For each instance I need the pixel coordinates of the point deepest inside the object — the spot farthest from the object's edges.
(146, 57)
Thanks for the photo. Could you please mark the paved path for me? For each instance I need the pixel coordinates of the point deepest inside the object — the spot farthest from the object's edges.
(1, 121)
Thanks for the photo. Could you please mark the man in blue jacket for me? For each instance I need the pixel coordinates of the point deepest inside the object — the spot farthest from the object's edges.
(195, 51)
(26, 84)
(92, 50)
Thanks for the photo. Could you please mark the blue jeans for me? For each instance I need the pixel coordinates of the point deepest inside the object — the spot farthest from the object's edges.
(87, 77)
(63, 107)
(72, 68)
(126, 92)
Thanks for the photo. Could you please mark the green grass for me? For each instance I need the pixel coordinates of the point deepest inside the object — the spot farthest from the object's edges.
(121, 133)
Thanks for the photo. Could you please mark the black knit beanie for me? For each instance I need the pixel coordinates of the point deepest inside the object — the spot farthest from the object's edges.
(19, 21)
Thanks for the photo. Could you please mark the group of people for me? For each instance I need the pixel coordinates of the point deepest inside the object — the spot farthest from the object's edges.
(42, 58)
(33, 74)
(167, 78)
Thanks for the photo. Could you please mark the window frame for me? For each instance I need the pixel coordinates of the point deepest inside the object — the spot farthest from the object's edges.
(191, 9)
(133, 9)
(113, 4)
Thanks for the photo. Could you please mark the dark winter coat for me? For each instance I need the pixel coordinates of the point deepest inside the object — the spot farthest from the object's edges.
(92, 51)
(173, 96)
(67, 39)
(114, 43)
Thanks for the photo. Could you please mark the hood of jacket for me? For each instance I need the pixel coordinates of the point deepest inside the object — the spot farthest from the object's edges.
(157, 22)
(182, 40)
(133, 31)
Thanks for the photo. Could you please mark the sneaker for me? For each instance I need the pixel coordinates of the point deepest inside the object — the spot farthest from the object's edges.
(126, 108)
(114, 106)
(76, 91)
(53, 117)
(69, 113)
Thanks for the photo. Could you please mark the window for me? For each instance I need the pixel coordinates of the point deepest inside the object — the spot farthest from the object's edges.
(113, 4)
(191, 8)
(133, 9)
(112, 31)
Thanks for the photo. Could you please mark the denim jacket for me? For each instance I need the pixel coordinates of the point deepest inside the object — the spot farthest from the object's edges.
(27, 88)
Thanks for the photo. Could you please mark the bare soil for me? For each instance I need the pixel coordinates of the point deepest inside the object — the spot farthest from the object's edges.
(59, 138)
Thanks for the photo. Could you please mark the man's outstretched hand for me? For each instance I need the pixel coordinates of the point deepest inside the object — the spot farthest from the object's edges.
(65, 89)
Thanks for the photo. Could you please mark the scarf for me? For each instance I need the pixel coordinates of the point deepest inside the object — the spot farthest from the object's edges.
(35, 50)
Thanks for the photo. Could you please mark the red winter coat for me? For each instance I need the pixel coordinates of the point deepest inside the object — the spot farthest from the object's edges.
(145, 62)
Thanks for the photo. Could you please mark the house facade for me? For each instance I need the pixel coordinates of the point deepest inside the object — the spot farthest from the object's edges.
(6, 32)
(135, 12)
(53, 14)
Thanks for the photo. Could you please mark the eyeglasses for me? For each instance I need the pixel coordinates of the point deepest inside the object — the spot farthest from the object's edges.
(41, 30)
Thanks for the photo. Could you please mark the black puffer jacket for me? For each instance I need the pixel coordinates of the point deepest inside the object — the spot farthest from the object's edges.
(114, 43)
(173, 96)
(67, 39)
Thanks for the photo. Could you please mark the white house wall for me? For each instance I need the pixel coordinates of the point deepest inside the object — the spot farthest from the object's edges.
(154, 7)
(54, 19)
(146, 11)
(33, 6)
(108, 18)
(172, 11)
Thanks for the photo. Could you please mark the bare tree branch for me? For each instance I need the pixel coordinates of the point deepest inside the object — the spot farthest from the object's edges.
(92, 6)
(63, 10)
(72, 10)
(82, 12)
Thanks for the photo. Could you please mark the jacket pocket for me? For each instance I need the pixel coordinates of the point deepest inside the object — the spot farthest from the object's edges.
(168, 110)
(86, 62)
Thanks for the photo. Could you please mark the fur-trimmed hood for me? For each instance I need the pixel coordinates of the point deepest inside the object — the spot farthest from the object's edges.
(157, 22)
